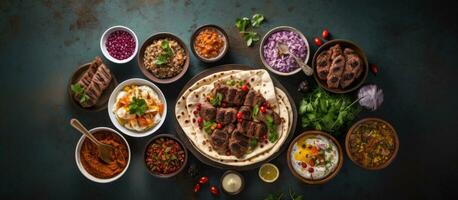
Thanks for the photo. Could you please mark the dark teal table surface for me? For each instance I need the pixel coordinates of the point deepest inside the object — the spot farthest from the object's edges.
(42, 42)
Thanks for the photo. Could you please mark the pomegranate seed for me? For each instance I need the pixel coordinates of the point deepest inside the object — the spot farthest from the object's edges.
(245, 88)
(263, 109)
(214, 191)
(197, 188)
(239, 115)
(200, 120)
(304, 165)
(199, 106)
(203, 180)
(219, 126)
(311, 170)
(325, 34)
(374, 69)
(195, 112)
(318, 41)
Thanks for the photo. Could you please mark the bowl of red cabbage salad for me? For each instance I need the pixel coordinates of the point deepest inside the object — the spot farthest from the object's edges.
(282, 64)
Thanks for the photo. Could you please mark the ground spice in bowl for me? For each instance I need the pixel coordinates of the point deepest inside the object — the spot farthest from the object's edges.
(91, 162)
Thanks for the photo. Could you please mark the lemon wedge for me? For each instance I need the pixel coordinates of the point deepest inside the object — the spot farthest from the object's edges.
(269, 172)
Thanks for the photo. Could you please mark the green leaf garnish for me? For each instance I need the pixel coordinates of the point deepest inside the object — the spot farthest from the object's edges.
(165, 56)
(137, 106)
(242, 23)
(230, 82)
(255, 111)
(79, 90)
(208, 126)
(272, 134)
(257, 19)
(216, 101)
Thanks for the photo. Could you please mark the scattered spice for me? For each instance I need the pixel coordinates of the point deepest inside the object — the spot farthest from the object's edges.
(120, 44)
(209, 43)
(97, 167)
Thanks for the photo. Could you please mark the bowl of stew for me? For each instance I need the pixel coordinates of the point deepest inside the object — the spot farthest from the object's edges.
(165, 156)
(209, 43)
(372, 143)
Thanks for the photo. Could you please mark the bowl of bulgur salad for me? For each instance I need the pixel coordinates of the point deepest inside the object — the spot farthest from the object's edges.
(163, 58)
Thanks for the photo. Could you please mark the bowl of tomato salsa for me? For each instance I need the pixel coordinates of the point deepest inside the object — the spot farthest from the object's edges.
(165, 156)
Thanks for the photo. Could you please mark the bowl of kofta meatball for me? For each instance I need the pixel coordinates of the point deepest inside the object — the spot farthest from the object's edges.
(340, 66)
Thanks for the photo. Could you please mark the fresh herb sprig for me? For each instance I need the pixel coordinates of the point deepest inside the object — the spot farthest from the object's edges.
(292, 196)
(79, 90)
(216, 101)
(168, 52)
(323, 111)
(208, 126)
(272, 134)
(137, 106)
(245, 26)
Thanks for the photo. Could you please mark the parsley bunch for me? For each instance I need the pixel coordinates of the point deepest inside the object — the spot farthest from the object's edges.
(323, 111)
(244, 23)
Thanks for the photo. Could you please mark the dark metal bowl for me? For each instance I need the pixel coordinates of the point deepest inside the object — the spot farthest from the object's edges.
(150, 75)
(344, 44)
(221, 54)
(182, 146)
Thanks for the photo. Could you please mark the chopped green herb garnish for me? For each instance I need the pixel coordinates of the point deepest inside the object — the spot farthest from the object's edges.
(137, 106)
(243, 24)
(79, 90)
(165, 56)
(216, 101)
(230, 82)
(257, 19)
(253, 142)
(255, 111)
(272, 134)
(208, 126)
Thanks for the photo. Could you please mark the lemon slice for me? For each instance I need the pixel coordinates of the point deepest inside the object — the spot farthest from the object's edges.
(268, 173)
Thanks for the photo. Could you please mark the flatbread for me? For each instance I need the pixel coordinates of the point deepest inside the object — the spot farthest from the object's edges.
(260, 81)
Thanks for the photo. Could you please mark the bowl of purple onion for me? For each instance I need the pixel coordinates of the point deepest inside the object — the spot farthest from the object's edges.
(277, 61)
(119, 44)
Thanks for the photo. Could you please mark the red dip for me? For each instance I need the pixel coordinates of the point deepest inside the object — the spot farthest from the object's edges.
(120, 44)
(164, 156)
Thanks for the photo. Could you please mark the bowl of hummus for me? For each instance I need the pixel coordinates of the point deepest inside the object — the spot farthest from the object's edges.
(137, 107)
(314, 157)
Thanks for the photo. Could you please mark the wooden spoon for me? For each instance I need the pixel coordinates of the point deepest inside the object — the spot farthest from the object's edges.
(283, 49)
(105, 151)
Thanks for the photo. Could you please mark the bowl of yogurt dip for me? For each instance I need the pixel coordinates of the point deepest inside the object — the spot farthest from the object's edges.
(314, 157)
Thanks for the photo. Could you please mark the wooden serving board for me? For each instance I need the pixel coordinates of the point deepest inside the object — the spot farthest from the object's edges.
(182, 135)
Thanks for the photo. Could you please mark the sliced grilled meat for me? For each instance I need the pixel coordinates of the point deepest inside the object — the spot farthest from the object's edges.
(238, 144)
(353, 68)
(336, 70)
(239, 97)
(249, 98)
(229, 97)
(323, 62)
(226, 115)
(258, 99)
(220, 88)
(246, 112)
(336, 50)
(252, 129)
(219, 139)
(207, 111)
(94, 81)
(263, 117)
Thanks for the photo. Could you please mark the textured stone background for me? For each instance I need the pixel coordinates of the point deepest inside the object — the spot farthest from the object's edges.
(42, 42)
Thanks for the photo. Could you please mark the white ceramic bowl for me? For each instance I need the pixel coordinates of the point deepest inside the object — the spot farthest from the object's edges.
(264, 40)
(80, 165)
(104, 37)
(112, 100)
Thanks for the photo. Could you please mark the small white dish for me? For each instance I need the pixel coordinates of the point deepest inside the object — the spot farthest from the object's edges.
(103, 47)
(264, 40)
(112, 100)
(80, 165)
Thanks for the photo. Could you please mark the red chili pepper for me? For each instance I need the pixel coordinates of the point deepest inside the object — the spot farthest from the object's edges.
(200, 120)
(325, 34)
(203, 180)
(318, 41)
(197, 188)
(374, 69)
(245, 87)
(219, 126)
(214, 190)
(239, 115)
(263, 109)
